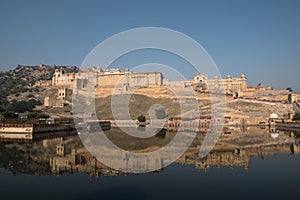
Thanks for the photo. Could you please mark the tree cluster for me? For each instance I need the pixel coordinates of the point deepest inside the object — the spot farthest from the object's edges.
(296, 116)
(18, 106)
(141, 118)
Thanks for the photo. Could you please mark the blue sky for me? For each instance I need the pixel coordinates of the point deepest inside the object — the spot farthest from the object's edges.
(258, 38)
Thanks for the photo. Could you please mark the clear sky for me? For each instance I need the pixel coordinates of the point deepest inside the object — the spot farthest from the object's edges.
(258, 38)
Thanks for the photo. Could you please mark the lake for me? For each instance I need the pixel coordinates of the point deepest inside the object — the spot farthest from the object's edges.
(265, 166)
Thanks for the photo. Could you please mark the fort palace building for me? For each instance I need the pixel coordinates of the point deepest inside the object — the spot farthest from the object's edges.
(95, 77)
(226, 85)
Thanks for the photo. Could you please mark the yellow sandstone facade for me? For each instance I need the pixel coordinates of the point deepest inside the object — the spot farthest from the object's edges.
(63, 79)
(226, 85)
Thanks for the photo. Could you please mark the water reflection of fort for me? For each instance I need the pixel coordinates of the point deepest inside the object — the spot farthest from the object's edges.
(239, 156)
(236, 158)
(77, 159)
(84, 162)
(69, 156)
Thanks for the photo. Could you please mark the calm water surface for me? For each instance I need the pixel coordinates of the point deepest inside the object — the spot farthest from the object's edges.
(272, 173)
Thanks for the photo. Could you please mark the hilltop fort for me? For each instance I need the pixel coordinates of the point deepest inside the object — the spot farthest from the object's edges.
(56, 85)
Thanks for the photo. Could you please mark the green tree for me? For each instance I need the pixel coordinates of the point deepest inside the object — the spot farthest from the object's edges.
(296, 116)
(10, 115)
(37, 115)
(30, 95)
(141, 118)
(22, 106)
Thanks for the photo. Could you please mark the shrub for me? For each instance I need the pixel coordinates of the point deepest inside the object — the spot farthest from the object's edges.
(296, 117)
(141, 118)
(161, 134)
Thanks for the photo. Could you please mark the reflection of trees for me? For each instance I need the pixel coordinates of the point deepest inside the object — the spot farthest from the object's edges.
(161, 134)
(21, 161)
(160, 113)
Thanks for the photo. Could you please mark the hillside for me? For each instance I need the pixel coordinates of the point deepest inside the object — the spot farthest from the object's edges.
(17, 84)
(138, 105)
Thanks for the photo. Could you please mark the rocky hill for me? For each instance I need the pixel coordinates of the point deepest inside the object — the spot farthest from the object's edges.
(19, 82)
(40, 72)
